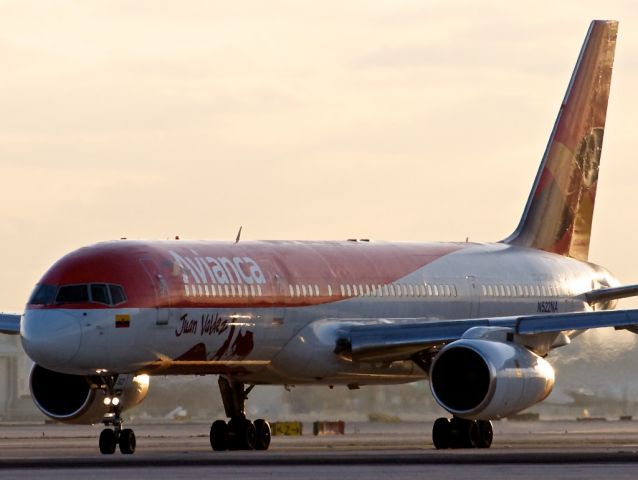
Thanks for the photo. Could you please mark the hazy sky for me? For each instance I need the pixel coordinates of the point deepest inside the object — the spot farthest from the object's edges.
(383, 119)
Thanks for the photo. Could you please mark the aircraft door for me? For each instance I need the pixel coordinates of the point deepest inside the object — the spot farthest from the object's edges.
(473, 296)
(162, 293)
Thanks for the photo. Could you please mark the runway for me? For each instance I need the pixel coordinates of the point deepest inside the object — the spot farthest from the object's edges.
(367, 450)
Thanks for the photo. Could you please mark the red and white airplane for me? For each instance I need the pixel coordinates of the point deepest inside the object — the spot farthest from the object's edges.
(476, 319)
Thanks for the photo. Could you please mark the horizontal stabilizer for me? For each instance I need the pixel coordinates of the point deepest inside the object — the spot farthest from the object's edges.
(611, 293)
(10, 323)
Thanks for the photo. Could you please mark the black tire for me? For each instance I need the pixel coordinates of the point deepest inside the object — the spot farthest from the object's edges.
(219, 436)
(127, 441)
(475, 434)
(486, 434)
(107, 442)
(247, 435)
(262, 428)
(441, 433)
(461, 433)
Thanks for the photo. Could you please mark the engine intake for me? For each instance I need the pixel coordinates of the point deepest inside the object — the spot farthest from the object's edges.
(486, 379)
(75, 398)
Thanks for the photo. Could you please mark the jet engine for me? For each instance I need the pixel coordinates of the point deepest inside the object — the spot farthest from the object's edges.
(78, 399)
(486, 379)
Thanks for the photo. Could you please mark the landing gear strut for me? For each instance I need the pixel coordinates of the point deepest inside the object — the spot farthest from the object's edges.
(238, 433)
(110, 438)
(462, 433)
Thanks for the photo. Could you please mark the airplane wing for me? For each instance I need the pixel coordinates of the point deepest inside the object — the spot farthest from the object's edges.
(402, 339)
(610, 293)
(10, 323)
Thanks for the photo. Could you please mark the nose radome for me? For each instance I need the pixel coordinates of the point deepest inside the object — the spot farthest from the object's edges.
(51, 338)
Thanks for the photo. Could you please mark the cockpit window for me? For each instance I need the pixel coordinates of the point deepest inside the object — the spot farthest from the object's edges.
(100, 293)
(117, 294)
(43, 295)
(106, 294)
(73, 294)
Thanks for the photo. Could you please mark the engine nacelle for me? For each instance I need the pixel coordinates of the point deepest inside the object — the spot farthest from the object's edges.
(486, 379)
(77, 399)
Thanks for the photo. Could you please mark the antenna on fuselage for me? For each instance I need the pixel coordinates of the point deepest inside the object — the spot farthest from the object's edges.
(238, 235)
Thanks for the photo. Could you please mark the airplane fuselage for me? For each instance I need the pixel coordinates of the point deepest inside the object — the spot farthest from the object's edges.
(269, 312)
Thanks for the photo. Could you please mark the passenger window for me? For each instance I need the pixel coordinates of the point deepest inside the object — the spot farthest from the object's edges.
(73, 294)
(348, 290)
(303, 290)
(446, 290)
(411, 290)
(316, 290)
(435, 291)
(367, 290)
(290, 287)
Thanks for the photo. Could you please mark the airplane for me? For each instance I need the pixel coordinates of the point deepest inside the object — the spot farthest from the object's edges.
(476, 319)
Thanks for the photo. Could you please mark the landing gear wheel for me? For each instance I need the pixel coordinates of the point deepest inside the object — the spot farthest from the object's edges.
(219, 436)
(441, 433)
(108, 442)
(485, 434)
(127, 441)
(243, 434)
(262, 429)
(461, 433)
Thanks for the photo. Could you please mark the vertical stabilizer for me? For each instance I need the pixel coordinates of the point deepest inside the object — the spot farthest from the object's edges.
(559, 210)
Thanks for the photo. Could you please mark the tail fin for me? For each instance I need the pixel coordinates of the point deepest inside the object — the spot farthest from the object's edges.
(558, 214)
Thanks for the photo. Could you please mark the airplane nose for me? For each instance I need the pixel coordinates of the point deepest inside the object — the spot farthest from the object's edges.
(51, 338)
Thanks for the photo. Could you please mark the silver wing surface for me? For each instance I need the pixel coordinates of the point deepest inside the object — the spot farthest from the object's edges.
(401, 339)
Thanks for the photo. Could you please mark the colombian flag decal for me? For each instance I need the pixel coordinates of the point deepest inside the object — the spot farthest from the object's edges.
(122, 321)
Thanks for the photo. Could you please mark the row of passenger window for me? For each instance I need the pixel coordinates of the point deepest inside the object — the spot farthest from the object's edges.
(222, 290)
(521, 291)
(107, 294)
(399, 290)
(309, 290)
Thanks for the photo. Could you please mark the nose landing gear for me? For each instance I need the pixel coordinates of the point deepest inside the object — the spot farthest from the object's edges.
(238, 433)
(110, 438)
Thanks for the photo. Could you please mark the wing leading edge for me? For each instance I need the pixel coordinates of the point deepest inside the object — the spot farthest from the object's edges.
(402, 339)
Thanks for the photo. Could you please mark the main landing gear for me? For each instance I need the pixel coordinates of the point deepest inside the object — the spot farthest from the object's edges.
(238, 433)
(110, 438)
(461, 433)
